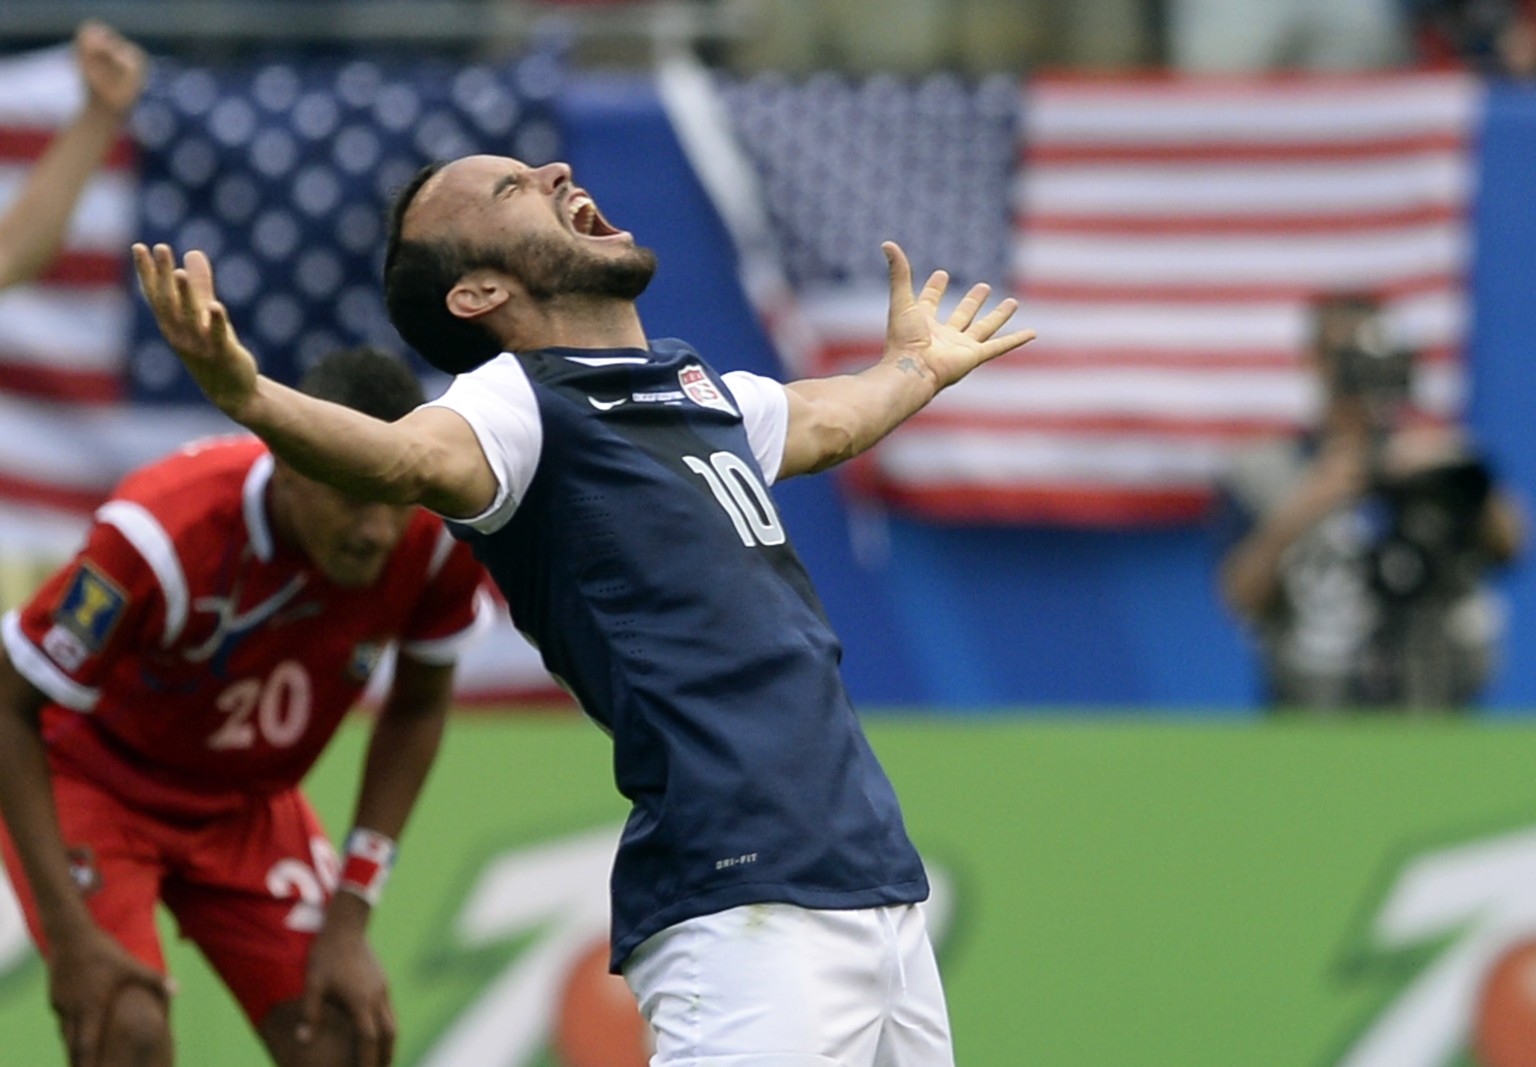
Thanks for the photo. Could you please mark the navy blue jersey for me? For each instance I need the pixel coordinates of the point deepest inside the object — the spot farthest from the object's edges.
(641, 552)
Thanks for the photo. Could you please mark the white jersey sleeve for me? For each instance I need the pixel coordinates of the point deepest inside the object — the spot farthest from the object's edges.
(497, 401)
(764, 408)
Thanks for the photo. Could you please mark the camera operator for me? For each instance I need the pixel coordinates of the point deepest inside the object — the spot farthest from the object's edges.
(1360, 550)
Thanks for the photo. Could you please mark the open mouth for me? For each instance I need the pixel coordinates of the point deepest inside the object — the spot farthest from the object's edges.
(585, 218)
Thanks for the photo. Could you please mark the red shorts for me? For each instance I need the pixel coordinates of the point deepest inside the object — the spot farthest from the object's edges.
(249, 889)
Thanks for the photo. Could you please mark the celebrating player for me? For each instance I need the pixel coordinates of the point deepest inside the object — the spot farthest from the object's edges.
(33, 226)
(764, 890)
(160, 699)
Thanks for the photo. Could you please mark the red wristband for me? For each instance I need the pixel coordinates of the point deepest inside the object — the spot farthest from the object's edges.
(366, 866)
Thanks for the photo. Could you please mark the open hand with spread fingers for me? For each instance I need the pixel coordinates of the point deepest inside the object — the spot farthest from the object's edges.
(196, 324)
(947, 349)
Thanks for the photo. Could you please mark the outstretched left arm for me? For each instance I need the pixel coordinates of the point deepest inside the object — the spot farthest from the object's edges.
(834, 419)
(429, 457)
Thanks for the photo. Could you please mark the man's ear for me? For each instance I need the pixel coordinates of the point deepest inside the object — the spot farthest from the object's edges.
(478, 293)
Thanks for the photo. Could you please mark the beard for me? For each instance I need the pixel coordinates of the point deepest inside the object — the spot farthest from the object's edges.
(550, 268)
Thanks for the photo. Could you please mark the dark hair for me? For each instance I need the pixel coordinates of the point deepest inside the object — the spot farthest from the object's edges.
(367, 379)
(418, 276)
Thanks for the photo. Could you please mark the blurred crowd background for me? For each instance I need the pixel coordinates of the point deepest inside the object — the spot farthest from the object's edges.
(855, 36)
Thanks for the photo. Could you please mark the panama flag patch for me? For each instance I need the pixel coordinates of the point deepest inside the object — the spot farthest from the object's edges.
(698, 388)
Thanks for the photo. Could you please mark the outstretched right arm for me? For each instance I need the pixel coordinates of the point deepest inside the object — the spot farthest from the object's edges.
(86, 966)
(430, 457)
(833, 419)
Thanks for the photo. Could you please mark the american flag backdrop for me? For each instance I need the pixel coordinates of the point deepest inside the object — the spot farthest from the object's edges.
(1164, 236)
(282, 171)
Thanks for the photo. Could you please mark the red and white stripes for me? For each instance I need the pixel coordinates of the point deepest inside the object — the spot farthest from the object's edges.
(1170, 234)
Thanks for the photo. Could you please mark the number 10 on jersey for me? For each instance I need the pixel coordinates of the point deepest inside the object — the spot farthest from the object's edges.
(737, 489)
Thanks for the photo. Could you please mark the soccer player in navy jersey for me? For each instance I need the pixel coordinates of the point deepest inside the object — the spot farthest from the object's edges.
(764, 893)
(33, 225)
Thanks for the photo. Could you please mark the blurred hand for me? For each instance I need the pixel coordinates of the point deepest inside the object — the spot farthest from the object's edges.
(113, 67)
(344, 971)
(1423, 448)
(1340, 473)
(85, 974)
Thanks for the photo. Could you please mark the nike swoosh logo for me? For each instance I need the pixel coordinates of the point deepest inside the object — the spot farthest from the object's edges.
(606, 405)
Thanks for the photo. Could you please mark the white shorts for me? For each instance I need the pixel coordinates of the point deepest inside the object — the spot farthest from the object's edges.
(774, 985)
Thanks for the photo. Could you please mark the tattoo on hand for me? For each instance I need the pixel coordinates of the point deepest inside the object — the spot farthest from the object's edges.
(908, 365)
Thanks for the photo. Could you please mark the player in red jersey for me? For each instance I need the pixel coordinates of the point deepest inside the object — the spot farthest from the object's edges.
(33, 225)
(160, 699)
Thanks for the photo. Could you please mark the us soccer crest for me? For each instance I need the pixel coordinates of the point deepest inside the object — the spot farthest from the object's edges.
(698, 388)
